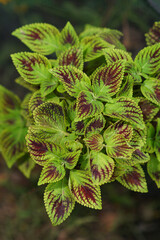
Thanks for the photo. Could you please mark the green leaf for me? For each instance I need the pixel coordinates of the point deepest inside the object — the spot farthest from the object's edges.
(153, 168)
(94, 142)
(148, 59)
(125, 109)
(138, 138)
(35, 101)
(53, 171)
(73, 79)
(72, 56)
(151, 90)
(150, 138)
(48, 86)
(33, 67)
(71, 158)
(116, 145)
(87, 106)
(68, 36)
(107, 80)
(134, 179)
(27, 166)
(153, 36)
(102, 167)
(39, 37)
(12, 143)
(113, 55)
(83, 189)
(95, 125)
(58, 201)
(149, 110)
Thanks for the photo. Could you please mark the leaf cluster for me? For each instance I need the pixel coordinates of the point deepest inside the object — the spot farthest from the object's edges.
(91, 117)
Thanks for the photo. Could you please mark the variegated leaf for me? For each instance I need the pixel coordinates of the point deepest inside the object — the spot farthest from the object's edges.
(107, 80)
(50, 115)
(148, 59)
(26, 84)
(153, 168)
(122, 128)
(95, 125)
(71, 158)
(39, 37)
(72, 56)
(8, 101)
(35, 100)
(119, 170)
(157, 140)
(27, 166)
(93, 47)
(87, 106)
(58, 201)
(153, 36)
(68, 36)
(117, 146)
(12, 143)
(84, 190)
(138, 138)
(125, 109)
(73, 79)
(126, 89)
(151, 90)
(149, 109)
(134, 179)
(102, 167)
(33, 67)
(113, 55)
(53, 171)
(48, 86)
(94, 142)
(79, 126)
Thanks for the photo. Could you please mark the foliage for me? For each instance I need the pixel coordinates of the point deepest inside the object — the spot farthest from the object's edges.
(91, 117)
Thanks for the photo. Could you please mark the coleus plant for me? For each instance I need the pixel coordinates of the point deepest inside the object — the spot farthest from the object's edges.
(91, 116)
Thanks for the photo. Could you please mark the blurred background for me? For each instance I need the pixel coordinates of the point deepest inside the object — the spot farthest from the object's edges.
(126, 215)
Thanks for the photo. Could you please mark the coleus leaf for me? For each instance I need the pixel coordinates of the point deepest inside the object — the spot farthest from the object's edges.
(134, 179)
(126, 89)
(153, 36)
(102, 167)
(149, 109)
(51, 115)
(107, 80)
(138, 138)
(39, 37)
(150, 138)
(83, 189)
(48, 86)
(68, 36)
(73, 79)
(12, 143)
(148, 59)
(53, 171)
(122, 128)
(93, 47)
(113, 55)
(95, 125)
(72, 56)
(125, 109)
(71, 159)
(153, 168)
(151, 90)
(8, 101)
(116, 145)
(26, 84)
(27, 166)
(33, 67)
(87, 106)
(157, 140)
(35, 100)
(94, 142)
(58, 201)
(138, 157)
(79, 126)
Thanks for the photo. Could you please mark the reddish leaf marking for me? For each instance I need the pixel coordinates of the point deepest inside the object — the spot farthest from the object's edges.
(133, 178)
(34, 35)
